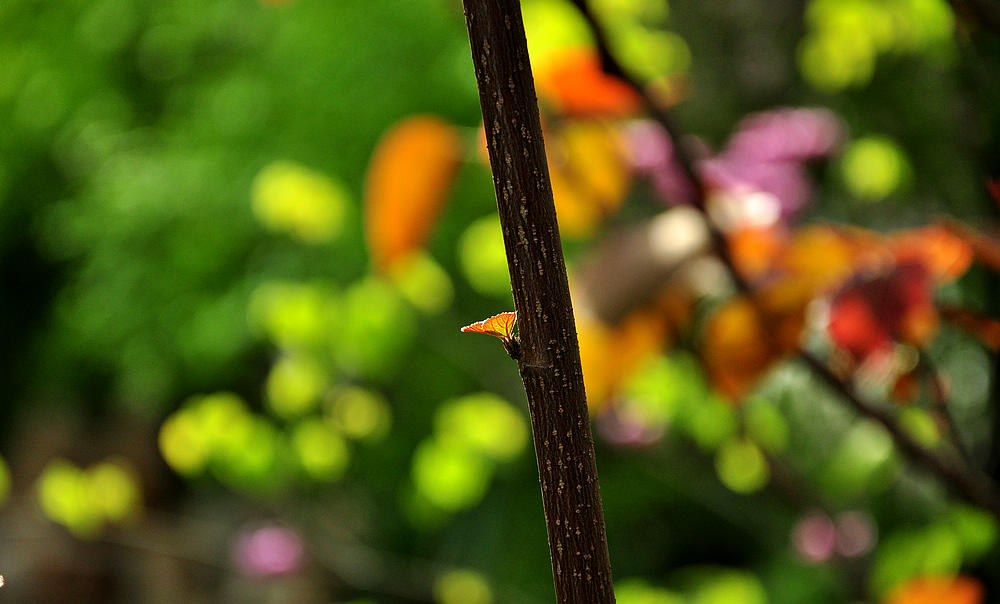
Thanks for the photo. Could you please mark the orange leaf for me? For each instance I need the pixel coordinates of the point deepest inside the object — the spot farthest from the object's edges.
(755, 250)
(938, 247)
(820, 256)
(589, 175)
(408, 179)
(743, 338)
(576, 83)
(985, 248)
(938, 590)
(735, 347)
(610, 353)
(501, 326)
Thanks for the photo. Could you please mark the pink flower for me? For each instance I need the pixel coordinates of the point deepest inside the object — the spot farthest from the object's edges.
(766, 155)
(268, 550)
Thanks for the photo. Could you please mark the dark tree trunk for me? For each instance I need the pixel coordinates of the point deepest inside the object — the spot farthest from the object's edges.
(550, 357)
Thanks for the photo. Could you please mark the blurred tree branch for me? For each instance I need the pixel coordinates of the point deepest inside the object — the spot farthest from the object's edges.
(942, 405)
(984, 12)
(962, 478)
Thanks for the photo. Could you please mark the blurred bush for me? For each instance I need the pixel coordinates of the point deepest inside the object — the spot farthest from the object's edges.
(238, 238)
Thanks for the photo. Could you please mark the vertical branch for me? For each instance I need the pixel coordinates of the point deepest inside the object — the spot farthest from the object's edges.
(550, 356)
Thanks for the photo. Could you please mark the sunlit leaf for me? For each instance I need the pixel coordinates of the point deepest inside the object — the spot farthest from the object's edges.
(831, 62)
(845, 38)
(501, 325)
(223, 421)
(408, 180)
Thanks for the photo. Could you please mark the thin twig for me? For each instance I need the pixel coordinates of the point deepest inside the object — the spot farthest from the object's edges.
(968, 483)
(965, 480)
(942, 406)
(986, 13)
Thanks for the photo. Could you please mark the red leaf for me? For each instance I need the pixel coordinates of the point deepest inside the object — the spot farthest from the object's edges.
(501, 326)
(869, 313)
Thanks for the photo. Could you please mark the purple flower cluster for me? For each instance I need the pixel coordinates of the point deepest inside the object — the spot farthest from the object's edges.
(766, 155)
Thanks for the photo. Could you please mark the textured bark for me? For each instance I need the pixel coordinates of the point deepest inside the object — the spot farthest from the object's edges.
(549, 360)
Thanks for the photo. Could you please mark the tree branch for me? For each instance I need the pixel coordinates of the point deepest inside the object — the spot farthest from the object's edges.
(942, 406)
(550, 355)
(964, 480)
